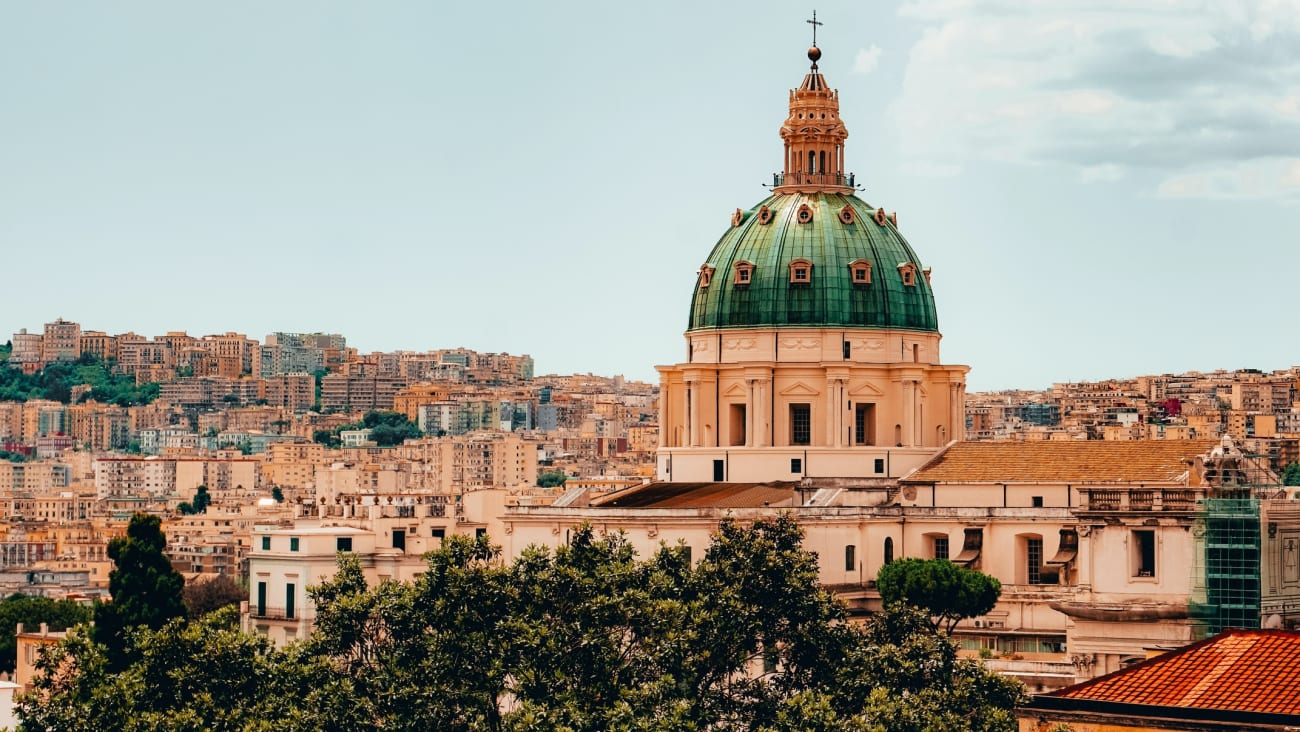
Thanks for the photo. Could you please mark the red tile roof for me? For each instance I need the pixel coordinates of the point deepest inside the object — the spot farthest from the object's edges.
(1238, 670)
(1076, 461)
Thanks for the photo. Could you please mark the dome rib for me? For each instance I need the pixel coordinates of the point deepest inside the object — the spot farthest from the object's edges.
(831, 299)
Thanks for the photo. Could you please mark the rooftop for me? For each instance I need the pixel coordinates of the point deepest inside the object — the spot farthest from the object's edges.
(1075, 461)
(1239, 670)
(701, 495)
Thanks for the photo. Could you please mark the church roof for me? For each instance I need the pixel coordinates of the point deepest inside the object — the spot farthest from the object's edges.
(1239, 670)
(835, 235)
(1075, 461)
(701, 495)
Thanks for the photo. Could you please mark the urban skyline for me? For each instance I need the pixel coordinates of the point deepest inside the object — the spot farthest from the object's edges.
(317, 168)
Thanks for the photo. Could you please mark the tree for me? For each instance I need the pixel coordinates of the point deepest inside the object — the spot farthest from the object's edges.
(1291, 475)
(206, 594)
(31, 612)
(146, 590)
(949, 593)
(551, 479)
(277, 494)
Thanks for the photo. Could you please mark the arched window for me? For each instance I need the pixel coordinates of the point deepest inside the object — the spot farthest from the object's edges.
(800, 272)
(821, 166)
(889, 549)
(812, 162)
(744, 273)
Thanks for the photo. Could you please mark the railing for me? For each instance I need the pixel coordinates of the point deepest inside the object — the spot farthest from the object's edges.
(812, 179)
(1141, 500)
(1179, 500)
(272, 613)
(1104, 500)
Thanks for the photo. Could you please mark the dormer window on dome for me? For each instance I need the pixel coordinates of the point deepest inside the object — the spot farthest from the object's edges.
(908, 271)
(800, 272)
(847, 216)
(744, 273)
(764, 215)
(805, 214)
(706, 275)
(860, 271)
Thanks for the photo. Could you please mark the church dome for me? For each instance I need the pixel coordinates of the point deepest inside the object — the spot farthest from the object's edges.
(813, 254)
(813, 259)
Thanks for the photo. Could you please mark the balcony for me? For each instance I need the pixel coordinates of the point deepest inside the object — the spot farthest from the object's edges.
(272, 613)
(1173, 500)
(812, 179)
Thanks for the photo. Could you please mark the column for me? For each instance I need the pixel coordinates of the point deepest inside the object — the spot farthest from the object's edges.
(908, 410)
(693, 412)
(763, 414)
(751, 410)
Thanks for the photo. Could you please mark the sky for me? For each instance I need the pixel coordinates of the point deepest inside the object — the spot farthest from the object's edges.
(1103, 188)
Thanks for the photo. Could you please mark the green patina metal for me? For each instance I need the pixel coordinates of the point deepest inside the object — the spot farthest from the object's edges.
(832, 298)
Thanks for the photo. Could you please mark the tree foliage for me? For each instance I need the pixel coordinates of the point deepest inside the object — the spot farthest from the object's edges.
(585, 637)
(1291, 474)
(206, 594)
(946, 591)
(31, 612)
(386, 429)
(202, 499)
(56, 380)
(146, 590)
(551, 479)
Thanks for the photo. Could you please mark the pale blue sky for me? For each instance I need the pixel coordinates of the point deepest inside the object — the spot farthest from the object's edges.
(1101, 189)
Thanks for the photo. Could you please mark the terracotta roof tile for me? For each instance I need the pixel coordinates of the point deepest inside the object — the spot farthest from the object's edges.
(701, 495)
(1079, 461)
(1239, 670)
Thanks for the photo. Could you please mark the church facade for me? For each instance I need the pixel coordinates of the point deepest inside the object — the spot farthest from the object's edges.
(812, 384)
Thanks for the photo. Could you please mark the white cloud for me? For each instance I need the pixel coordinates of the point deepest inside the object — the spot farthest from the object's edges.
(867, 60)
(1203, 94)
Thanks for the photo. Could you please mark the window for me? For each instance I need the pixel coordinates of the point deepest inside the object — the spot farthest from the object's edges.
(864, 428)
(939, 547)
(889, 549)
(846, 215)
(880, 465)
(1038, 501)
(860, 269)
(288, 601)
(800, 272)
(764, 216)
(800, 424)
(850, 557)
(744, 272)
(343, 544)
(261, 599)
(848, 349)
(266, 543)
(293, 543)
(1143, 551)
(480, 533)
(399, 539)
(706, 276)
(804, 215)
(908, 271)
(1034, 560)
(796, 465)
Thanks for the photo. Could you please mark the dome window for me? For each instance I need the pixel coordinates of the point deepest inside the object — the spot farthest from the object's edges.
(800, 272)
(926, 273)
(706, 276)
(908, 271)
(860, 271)
(881, 218)
(737, 218)
(847, 216)
(805, 214)
(744, 273)
(764, 216)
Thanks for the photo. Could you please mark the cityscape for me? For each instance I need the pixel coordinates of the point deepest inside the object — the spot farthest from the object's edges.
(809, 519)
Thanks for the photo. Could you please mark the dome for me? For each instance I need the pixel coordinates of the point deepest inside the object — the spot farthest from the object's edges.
(813, 259)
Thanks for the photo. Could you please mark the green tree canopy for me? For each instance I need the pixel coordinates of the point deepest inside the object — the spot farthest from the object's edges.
(946, 591)
(208, 593)
(1291, 475)
(585, 637)
(551, 479)
(31, 612)
(145, 589)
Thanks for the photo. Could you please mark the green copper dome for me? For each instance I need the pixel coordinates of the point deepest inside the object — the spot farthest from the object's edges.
(842, 235)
